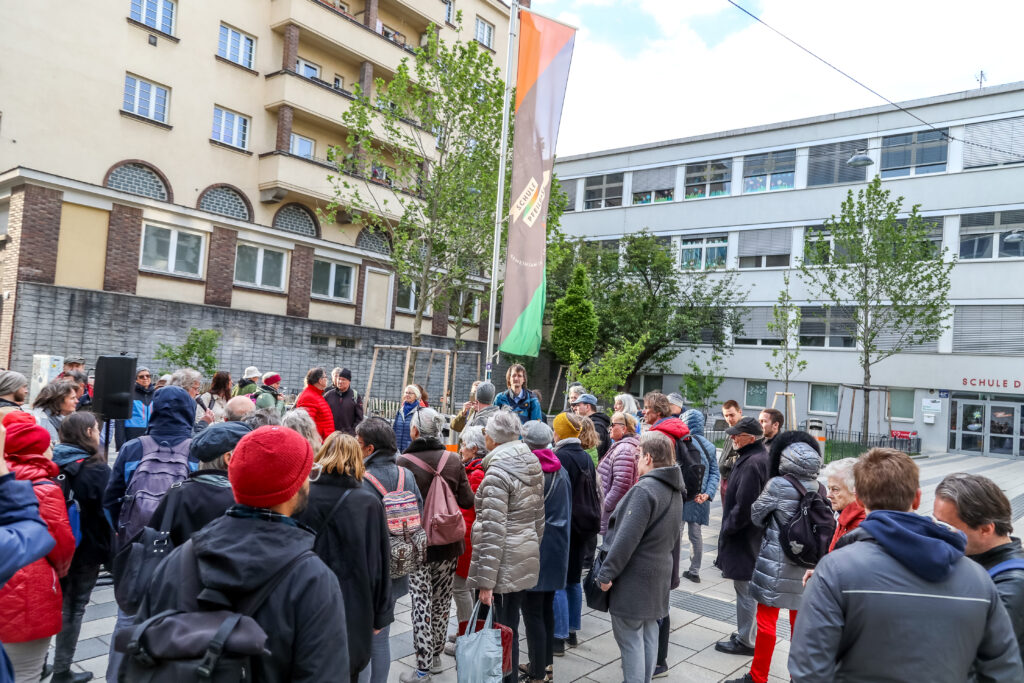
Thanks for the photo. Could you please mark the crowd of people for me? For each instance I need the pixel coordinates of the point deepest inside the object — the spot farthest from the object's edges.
(280, 538)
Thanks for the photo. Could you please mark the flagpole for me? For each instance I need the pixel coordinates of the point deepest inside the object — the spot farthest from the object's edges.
(499, 209)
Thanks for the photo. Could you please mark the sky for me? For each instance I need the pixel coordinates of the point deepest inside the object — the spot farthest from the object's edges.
(650, 70)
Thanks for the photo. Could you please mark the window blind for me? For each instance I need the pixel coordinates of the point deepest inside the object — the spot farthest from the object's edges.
(1006, 136)
(989, 330)
(755, 323)
(827, 165)
(764, 242)
(654, 179)
(887, 340)
(569, 186)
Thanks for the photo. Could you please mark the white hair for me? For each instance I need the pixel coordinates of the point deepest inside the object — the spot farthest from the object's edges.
(474, 437)
(628, 403)
(841, 470)
(415, 390)
(299, 420)
(428, 422)
(186, 378)
(504, 426)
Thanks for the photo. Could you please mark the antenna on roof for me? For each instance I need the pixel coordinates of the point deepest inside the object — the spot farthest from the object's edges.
(981, 78)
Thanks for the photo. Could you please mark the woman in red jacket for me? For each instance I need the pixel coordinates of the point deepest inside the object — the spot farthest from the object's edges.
(31, 602)
(313, 402)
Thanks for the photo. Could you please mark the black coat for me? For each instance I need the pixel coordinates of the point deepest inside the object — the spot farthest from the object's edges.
(454, 474)
(740, 539)
(347, 409)
(304, 617)
(354, 543)
(602, 423)
(88, 478)
(575, 461)
(190, 505)
(1009, 583)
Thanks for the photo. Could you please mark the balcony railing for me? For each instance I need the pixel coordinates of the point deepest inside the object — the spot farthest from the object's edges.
(395, 38)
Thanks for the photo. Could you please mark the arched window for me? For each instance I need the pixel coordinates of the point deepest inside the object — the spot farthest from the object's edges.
(296, 218)
(226, 201)
(138, 178)
(373, 241)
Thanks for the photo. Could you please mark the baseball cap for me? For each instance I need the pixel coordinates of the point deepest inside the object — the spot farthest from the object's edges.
(746, 425)
(586, 398)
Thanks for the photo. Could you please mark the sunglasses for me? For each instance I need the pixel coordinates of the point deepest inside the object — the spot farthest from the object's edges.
(144, 376)
(619, 424)
(315, 473)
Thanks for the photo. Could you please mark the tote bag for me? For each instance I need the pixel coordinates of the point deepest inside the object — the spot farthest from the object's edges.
(478, 653)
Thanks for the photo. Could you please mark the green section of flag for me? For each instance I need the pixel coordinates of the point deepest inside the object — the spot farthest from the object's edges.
(524, 339)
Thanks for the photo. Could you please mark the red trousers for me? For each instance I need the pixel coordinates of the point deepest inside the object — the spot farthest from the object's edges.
(764, 644)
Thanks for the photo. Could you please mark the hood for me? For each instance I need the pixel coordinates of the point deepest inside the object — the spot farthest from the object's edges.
(516, 458)
(601, 417)
(174, 412)
(921, 545)
(548, 461)
(782, 441)
(671, 475)
(694, 420)
(65, 454)
(671, 427)
(32, 467)
(800, 460)
(145, 391)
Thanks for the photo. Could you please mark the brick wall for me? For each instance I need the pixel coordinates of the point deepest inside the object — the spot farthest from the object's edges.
(220, 268)
(40, 228)
(370, 15)
(291, 47)
(366, 77)
(124, 233)
(285, 114)
(300, 279)
(439, 323)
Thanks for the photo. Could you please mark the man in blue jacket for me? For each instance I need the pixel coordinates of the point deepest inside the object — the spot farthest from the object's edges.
(520, 399)
(142, 400)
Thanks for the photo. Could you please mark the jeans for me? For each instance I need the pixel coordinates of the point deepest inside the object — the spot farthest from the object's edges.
(28, 658)
(463, 599)
(539, 621)
(568, 610)
(764, 646)
(506, 612)
(77, 587)
(746, 608)
(380, 658)
(696, 545)
(638, 644)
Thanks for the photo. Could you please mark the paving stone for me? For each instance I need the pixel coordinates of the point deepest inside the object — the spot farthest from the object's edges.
(99, 611)
(694, 637)
(97, 627)
(710, 658)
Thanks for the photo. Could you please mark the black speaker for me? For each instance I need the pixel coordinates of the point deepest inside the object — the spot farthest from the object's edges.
(115, 384)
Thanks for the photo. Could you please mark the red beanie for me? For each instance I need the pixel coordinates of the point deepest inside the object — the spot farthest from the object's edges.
(24, 438)
(18, 416)
(272, 379)
(269, 466)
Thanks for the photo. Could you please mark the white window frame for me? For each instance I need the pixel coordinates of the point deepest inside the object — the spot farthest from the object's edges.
(238, 134)
(770, 173)
(172, 252)
(260, 251)
(828, 334)
(476, 308)
(412, 298)
(913, 406)
(339, 82)
(159, 7)
(705, 244)
(746, 394)
(154, 91)
(763, 260)
(295, 138)
(914, 145)
(246, 46)
(652, 196)
(484, 33)
(810, 391)
(449, 11)
(302, 64)
(331, 281)
(994, 233)
(705, 168)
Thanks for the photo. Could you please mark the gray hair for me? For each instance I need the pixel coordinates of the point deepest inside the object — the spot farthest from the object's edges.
(298, 420)
(141, 369)
(841, 470)
(659, 447)
(978, 501)
(237, 408)
(415, 390)
(628, 404)
(473, 437)
(11, 381)
(503, 426)
(262, 418)
(577, 389)
(185, 378)
(428, 422)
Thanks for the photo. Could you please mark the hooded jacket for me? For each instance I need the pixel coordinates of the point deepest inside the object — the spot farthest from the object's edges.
(525, 405)
(898, 601)
(554, 548)
(269, 398)
(346, 408)
(303, 617)
(192, 504)
(171, 423)
(576, 462)
(88, 478)
(1009, 583)
(312, 401)
(740, 539)
(700, 513)
(618, 473)
(138, 423)
(643, 535)
(475, 475)
(382, 465)
(672, 427)
(509, 523)
(777, 580)
(602, 423)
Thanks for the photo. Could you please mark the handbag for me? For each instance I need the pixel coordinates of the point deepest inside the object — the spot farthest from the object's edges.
(506, 640)
(479, 654)
(596, 598)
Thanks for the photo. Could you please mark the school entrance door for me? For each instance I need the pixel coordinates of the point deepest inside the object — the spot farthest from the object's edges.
(987, 424)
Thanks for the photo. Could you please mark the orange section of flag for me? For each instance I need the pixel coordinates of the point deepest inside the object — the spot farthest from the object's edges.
(540, 40)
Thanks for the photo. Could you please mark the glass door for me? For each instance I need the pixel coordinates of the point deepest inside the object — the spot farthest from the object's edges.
(972, 426)
(1002, 423)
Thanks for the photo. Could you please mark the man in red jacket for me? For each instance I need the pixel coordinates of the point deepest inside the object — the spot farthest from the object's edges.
(312, 401)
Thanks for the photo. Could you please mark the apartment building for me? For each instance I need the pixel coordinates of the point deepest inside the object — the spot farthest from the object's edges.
(748, 200)
(162, 163)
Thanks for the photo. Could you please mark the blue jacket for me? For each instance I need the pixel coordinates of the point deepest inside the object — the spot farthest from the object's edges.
(403, 418)
(526, 405)
(23, 539)
(174, 411)
(701, 512)
(554, 546)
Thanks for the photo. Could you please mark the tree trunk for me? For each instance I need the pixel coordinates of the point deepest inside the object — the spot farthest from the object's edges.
(867, 406)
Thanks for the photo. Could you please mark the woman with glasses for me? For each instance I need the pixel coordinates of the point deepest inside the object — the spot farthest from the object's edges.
(618, 469)
(352, 539)
(403, 418)
(626, 403)
(142, 400)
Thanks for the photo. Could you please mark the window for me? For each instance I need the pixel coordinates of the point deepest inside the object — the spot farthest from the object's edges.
(756, 394)
(603, 191)
(230, 128)
(382, 174)
(755, 328)
(824, 399)
(306, 69)
(339, 82)
(826, 164)
(995, 330)
(484, 33)
(901, 404)
(259, 267)
(138, 179)
(319, 340)
(407, 298)
(914, 153)
(236, 46)
(158, 14)
(302, 146)
(145, 98)
(296, 218)
(703, 253)
(654, 185)
(994, 143)
(832, 328)
(332, 280)
(765, 248)
(449, 11)
(464, 304)
(171, 251)
(769, 171)
(569, 187)
(992, 235)
(709, 179)
(374, 241)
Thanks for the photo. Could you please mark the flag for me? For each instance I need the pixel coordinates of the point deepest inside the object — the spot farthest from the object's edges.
(545, 51)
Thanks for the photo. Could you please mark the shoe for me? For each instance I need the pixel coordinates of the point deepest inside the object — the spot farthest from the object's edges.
(558, 648)
(71, 677)
(733, 646)
(436, 666)
(449, 649)
(47, 670)
(692, 576)
(452, 637)
(747, 678)
(660, 671)
(415, 676)
(571, 640)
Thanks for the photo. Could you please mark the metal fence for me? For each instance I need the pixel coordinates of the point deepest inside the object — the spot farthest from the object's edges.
(844, 444)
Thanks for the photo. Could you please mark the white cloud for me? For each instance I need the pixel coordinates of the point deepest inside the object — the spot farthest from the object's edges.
(676, 85)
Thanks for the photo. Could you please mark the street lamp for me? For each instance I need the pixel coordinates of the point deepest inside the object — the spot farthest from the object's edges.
(860, 159)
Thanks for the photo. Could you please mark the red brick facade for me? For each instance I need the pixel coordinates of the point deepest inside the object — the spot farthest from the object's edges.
(300, 280)
(220, 267)
(290, 53)
(439, 323)
(39, 229)
(124, 232)
(285, 115)
(370, 15)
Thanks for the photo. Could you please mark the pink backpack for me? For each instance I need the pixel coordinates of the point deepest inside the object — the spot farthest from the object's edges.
(444, 521)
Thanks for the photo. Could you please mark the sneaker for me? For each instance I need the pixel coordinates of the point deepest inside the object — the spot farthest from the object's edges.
(692, 576)
(660, 671)
(558, 648)
(452, 637)
(747, 678)
(436, 666)
(449, 649)
(415, 676)
(571, 641)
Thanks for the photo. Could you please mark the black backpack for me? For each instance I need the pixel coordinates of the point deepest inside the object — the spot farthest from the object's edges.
(806, 536)
(586, 505)
(209, 645)
(691, 462)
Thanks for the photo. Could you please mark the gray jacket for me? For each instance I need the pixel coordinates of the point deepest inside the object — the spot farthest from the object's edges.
(777, 580)
(643, 533)
(869, 615)
(509, 521)
(484, 414)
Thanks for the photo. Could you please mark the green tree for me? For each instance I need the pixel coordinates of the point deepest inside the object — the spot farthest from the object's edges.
(886, 272)
(785, 325)
(703, 379)
(199, 351)
(606, 376)
(574, 323)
